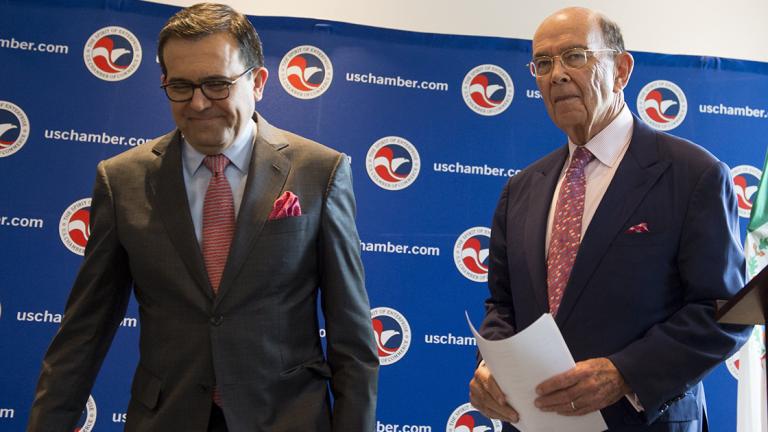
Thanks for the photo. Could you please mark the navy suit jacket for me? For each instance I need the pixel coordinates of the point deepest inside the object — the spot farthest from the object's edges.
(644, 300)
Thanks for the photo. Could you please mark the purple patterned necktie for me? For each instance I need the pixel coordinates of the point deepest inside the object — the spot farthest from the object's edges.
(566, 227)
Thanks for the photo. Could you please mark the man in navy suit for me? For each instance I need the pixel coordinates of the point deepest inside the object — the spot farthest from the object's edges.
(626, 235)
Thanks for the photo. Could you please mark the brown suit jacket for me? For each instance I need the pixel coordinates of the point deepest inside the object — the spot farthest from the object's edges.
(258, 339)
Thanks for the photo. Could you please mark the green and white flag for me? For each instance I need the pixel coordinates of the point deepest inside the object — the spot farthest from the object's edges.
(751, 413)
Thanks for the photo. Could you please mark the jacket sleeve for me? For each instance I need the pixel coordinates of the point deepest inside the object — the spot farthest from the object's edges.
(676, 354)
(351, 349)
(499, 307)
(93, 313)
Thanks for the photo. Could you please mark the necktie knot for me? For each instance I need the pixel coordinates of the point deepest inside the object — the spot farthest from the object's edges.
(216, 163)
(581, 157)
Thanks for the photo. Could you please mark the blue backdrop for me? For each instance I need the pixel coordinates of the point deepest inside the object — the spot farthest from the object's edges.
(434, 126)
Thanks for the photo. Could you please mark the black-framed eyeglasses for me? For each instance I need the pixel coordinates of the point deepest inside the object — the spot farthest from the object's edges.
(216, 89)
(573, 58)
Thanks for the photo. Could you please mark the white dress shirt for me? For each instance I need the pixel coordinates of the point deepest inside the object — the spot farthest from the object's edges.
(609, 147)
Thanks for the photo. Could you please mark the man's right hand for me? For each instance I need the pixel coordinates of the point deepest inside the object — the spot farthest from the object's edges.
(487, 397)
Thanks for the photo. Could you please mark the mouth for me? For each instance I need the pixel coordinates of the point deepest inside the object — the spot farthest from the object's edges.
(202, 119)
(564, 98)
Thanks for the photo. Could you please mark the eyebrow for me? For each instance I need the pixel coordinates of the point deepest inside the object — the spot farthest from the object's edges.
(569, 47)
(204, 79)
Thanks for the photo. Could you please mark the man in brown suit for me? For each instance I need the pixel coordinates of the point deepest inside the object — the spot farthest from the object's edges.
(227, 264)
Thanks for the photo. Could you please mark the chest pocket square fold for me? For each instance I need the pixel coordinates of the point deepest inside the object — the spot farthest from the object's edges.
(638, 229)
(287, 205)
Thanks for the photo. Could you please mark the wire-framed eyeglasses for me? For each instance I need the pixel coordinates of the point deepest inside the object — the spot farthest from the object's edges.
(573, 58)
(216, 89)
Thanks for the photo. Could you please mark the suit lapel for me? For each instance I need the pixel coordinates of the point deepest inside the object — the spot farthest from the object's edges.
(267, 174)
(542, 189)
(637, 173)
(169, 197)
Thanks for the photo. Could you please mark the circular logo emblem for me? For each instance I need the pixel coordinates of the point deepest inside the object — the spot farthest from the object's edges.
(306, 72)
(470, 253)
(466, 418)
(74, 226)
(733, 362)
(393, 334)
(746, 179)
(662, 104)
(88, 417)
(393, 163)
(14, 128)
(112, 54)
(487, 90)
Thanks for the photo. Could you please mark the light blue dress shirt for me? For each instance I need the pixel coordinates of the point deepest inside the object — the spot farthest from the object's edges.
(197, 176)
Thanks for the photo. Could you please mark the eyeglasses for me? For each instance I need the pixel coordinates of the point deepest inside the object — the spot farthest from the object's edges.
(573, 58)
(218, 89)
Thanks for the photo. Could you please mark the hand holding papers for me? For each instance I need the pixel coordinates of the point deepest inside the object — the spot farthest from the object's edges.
(521, 362)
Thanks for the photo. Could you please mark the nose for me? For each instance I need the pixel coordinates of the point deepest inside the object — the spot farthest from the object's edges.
(199, 102)
(559, 74)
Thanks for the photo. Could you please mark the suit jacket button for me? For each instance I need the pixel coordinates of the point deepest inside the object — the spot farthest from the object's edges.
(217, 320)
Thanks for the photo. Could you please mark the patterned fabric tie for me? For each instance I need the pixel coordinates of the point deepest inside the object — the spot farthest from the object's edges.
(218, 220)
(566, 227)
(218, 227)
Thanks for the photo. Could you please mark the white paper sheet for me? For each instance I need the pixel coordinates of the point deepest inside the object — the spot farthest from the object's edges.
(522, 362)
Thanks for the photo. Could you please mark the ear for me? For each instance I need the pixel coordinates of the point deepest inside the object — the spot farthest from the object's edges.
(624, 63)
(260, 76)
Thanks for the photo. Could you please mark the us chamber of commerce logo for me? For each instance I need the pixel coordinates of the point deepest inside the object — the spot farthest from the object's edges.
(305, 72)
(112, 53)
(74, 226)
(466, 418)
(393, 334)
(393, 163)
(470, 253)
(88, 418)
(487, 90)
(746, 178)
(662, 104)
(14, 128)
(734, 362)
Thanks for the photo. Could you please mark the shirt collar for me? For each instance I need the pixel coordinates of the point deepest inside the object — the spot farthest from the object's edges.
(608, 144)
(239, 153)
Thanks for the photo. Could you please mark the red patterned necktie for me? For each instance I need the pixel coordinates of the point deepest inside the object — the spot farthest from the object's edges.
(566, 227)
(218, 219)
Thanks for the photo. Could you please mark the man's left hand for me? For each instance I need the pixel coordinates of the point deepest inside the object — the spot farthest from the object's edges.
(591, 385)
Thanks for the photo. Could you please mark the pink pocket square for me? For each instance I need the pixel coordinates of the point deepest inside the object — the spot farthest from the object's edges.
(639, 228)
(285, 206)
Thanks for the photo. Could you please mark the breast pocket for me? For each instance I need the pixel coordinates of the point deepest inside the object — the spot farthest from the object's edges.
(628, 239)
(284, 244)
(648, 226)
(285, 225)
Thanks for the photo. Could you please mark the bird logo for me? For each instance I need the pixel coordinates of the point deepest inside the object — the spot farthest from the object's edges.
(470, 253)
(14, 128)
(487, 90)
(392, 334)
(466, 418)
(305, 72)
(393, 163)
(662, 104)
(112, 53)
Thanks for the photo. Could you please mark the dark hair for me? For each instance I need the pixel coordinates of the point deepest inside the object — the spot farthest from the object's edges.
(611, 34)
(205, 19)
